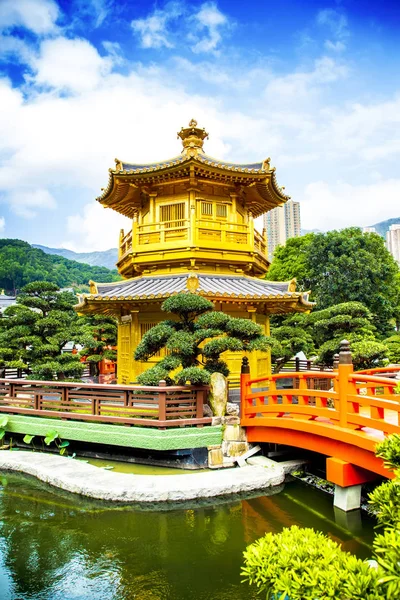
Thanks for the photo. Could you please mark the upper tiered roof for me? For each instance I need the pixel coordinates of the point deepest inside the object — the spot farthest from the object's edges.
(256, 181)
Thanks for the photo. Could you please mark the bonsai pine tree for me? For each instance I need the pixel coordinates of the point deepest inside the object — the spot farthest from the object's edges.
(98, 335)
(34, 331)
(194, 341)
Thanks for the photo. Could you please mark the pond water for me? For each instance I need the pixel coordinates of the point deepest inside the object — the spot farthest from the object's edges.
(136, 468)
(58, 546)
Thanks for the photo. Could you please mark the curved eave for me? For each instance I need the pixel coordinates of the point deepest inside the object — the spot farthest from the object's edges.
(290, 302)
(123, 190)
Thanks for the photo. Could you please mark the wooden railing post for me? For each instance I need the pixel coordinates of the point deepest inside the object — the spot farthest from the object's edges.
(244, 378)
(199, 403)
(162, 396)
(345, 368)
(297, 364)
(335, 365)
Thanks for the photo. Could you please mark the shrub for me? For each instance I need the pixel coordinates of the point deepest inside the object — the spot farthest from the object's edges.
(302, 564)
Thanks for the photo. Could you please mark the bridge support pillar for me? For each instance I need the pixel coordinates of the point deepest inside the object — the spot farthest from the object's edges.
(347, 498)
(348, 479)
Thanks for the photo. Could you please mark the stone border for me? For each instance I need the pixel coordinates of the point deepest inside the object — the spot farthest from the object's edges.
(87, 480)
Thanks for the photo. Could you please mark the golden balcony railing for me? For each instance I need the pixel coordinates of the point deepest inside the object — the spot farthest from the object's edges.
(125, 244)
(260, 243)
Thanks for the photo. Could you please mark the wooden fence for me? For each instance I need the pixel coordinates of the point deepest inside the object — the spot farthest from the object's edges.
(296, 364)
(161, 406)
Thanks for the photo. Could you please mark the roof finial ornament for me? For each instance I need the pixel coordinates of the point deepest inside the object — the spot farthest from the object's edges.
(192, 138)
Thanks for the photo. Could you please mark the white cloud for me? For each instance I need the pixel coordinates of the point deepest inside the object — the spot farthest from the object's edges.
(335, 46)
(297, 86)
(64, 143)
(39, 16)
(212, 20)
(95, 228)
(166, 27)
(114, 51)
(94, 10)
(73, 65)
(337, 23)
(153, 31)
(26, 203)
(2, 224)
(338, 205)
(15, 48)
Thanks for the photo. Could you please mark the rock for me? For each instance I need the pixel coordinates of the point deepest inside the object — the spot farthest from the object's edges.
(215, 457)
(87, 480)
(234, 433)
(207, 412)
(216, 421)
(234, 448)
(232, 409)
(231, 420)
(218, 395)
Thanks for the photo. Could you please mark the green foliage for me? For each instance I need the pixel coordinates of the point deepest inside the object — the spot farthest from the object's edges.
(302, 564)
(196, 339)
(292, 260)
(393, 345)
(20, 264)
(389, 451)
(292, 340)
(154, 375)
(187, 306)
(387, 551)
(153, 340)
(342, 266)
(213, 365)
(193, 375)
(27, 439)
(182, 343)
(385, 500)
(34, 331)
(323, 330)
(3, 424)
(215, 347)
(368, 353)
(98, 333)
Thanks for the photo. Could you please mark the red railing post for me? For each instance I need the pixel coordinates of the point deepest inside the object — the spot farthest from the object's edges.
(345, 368)
(244, 378)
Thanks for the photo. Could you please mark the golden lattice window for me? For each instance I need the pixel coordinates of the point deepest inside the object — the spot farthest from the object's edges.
(173, 215)
(207, 209)
(222, 211)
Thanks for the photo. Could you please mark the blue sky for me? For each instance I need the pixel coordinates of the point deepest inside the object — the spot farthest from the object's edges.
(314, 85)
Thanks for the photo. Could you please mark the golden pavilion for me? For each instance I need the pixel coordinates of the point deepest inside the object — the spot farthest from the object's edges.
(192, 230)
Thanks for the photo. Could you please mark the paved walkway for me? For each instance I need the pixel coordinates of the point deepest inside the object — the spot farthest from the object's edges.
(87, 480)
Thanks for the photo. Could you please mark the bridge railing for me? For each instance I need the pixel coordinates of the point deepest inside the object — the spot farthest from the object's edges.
(350, 400)
(148, 406)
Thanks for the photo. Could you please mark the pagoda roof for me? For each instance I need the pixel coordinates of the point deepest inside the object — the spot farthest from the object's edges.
(217, 287)
(127, 168)
(127, 180)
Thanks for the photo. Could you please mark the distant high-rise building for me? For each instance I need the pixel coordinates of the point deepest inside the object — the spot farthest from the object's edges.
(369, 230)
(393, 241)
(281, 224)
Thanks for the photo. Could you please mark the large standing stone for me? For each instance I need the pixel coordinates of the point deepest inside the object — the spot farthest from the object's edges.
(218, 395)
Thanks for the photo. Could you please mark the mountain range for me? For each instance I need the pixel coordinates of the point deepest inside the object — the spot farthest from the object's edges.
(103, 258)
(383, 226)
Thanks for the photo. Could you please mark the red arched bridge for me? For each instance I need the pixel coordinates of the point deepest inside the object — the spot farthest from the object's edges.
(342, 414)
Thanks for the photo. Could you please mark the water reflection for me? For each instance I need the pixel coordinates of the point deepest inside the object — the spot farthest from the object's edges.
(58, 546)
